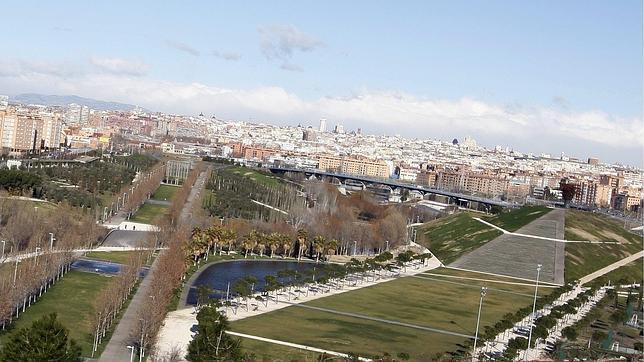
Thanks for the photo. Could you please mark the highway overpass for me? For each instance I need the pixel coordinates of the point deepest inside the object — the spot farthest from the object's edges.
(453, 197)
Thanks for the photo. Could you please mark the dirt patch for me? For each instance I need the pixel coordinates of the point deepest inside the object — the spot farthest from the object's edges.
(583, 234)
(612, 236)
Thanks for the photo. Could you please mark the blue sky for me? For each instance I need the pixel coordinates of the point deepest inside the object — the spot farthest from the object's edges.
(500, 65)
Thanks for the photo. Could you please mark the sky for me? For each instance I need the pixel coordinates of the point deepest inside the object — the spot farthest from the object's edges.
(537, 76)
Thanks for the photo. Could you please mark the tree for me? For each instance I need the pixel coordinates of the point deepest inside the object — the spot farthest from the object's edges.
(203, 295)
(569, 333)
(46, 340)
(211, 342)
(568, 191)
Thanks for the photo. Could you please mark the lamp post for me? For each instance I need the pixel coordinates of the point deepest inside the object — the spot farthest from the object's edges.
(478, 320)
(15, 273)
(51, 241)
(387, 243)
(534, 306)
(131, 353)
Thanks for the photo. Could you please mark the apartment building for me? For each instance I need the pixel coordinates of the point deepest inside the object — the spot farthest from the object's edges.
(354, 166)
(26, 131)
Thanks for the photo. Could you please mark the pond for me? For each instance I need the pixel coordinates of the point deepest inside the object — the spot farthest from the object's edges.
(218, 275)
(101, 267)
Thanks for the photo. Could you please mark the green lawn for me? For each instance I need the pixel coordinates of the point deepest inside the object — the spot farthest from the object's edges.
(121, 257)
(450, 237)
(631, 272)
(449, 305)
(165, 192)
(270, 352)
(72, 300)
(252, 174)
(515, 219)
(149, 213)
(582, 258)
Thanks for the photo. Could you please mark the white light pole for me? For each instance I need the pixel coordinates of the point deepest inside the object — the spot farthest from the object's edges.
(3, 244)
(387, 247)
(131, 353)
(15, 273)
(51, 241)
(534, 306)
(478, 320)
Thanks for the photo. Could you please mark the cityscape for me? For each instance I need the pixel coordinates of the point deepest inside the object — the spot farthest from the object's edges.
(158, 205)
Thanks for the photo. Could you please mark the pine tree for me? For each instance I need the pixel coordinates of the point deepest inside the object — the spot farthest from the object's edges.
(45, 340)
(211, 342)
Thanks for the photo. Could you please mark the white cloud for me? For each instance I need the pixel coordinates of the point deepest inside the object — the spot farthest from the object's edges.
(385, 111)
(281, 42)
(291, 67)
(230, 56)
(183, 47)
(120, 66)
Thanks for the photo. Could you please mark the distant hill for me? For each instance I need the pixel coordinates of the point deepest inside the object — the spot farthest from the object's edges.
(56, 100)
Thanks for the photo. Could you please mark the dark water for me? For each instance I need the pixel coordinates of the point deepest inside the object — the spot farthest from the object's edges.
(102, 267)
(218, 275)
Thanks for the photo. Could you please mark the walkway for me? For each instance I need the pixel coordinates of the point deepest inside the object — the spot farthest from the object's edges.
(517, 254)
(116, 349)
(609, 268)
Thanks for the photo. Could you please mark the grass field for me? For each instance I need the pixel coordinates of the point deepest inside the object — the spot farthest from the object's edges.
(121, 257)
(72, 300)
(455, 235)
(450, 237)
(149, 213)
(252, 174)
(582, 259)
(165, 193)
(270, 352)
(631, 273)
(515, 219)
(444, 304)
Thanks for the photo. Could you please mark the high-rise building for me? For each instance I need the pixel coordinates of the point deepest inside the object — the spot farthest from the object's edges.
(4, 102)
(323, 125)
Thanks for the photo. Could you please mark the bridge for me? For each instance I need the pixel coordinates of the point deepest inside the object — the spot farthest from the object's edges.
(453, 197)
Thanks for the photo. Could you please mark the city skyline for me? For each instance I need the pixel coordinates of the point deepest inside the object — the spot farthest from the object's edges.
(574, 83)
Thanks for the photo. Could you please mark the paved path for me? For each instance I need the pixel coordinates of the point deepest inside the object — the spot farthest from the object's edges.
(116, 349)
(609, 268)
(518, 255)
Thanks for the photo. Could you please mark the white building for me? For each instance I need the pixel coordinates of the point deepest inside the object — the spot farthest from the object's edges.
(323, 125)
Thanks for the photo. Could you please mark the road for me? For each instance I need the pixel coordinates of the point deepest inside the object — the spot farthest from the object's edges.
(609, 268)
(116, 349)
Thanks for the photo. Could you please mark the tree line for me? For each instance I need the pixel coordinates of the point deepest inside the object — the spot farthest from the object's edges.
(25, 229)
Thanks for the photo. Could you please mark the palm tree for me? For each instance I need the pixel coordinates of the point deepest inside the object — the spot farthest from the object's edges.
(287, 244)
(262, 240)
(214, 237)
(319, 244)
(273, 241)
(228, 237)
(330, 246)
(250, 242)
(302, 236)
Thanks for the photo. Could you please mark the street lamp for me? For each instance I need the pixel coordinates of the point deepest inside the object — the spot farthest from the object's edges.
(131, 353)
(51, 241)
(534, 306)
(478, 320)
